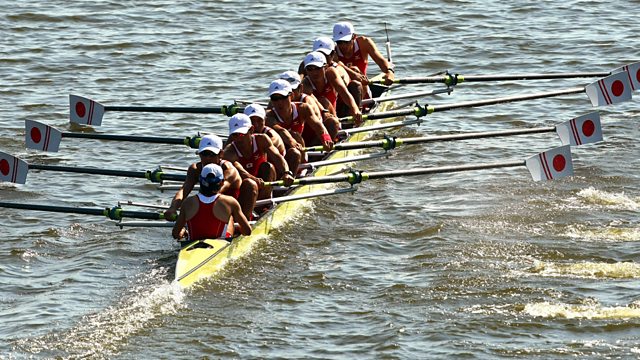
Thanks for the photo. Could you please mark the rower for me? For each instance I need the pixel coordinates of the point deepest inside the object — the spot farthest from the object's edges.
(209, 214)
(256, 159)
(257, 115)
(327, 85)
(354, 50)
(329, 120)
(290, 119)
(328, 47)
(209, 152)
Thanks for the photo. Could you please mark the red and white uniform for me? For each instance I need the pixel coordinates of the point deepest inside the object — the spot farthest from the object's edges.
(251, 164)
(357, 59)
(204, 225)
(328, 92)
(296, 123)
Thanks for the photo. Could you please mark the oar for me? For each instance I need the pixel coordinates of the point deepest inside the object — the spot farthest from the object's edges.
(451, 80)
(13, 169)
(39, 136)
(548, 165)
(613, 89)
(370, 102)
(114, 213)
(584, 129)
(89, 112)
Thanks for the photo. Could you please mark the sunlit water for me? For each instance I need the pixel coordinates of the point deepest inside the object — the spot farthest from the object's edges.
(478, 265)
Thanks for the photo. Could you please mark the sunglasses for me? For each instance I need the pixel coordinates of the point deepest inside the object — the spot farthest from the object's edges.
(277, 97)
(207, 153)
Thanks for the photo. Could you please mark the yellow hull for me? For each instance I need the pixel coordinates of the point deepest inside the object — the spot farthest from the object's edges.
(203, 259)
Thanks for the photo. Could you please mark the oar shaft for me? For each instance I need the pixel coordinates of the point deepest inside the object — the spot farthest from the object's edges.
(505, 99)
(534, 76)
(112, 213)
(133, 138)
(157, 176)
(169, 109)
(453, 79)
(440, 170)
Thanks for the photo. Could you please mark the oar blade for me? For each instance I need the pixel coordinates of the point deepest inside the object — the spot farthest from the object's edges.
(551, 164)
(584, 129)
(85, 111)
(633, 73)
(13, 169)
(39, 136)
(610, 90)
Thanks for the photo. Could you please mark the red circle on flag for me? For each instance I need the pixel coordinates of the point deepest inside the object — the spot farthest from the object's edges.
(617, 88)
(588, 128)
(559, 162)
(80, 109)
(4, 167)
(36, 135)
(638, 75)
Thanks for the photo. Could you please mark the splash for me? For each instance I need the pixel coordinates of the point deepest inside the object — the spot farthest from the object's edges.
(620, 270)
(606, 234)
(102, 334)
(590, 311)
(618, 200)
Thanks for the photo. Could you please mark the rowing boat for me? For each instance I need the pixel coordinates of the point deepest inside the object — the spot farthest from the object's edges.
(205, 258)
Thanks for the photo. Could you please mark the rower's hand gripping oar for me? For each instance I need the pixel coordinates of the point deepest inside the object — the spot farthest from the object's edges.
(551, 164)
(612, 89)
(113, 213)
(13, 169)
(452, 80)
(85, 111)
(39, 136)
(584, 129)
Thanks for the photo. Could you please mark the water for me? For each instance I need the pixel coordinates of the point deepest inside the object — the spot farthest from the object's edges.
(486, 264)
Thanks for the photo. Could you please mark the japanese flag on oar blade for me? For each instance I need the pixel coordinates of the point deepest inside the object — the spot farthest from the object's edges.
(13, 169)
(551, 164)
(39, 136)
(633, 73)
(610, 90)
(85, 111)
(585, 129)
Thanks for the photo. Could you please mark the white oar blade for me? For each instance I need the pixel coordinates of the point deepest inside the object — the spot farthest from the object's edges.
(551, 164)
(39, 136)
(85, 111)
(610, 90)
(633, 73)
(584, 129)
(13, 169)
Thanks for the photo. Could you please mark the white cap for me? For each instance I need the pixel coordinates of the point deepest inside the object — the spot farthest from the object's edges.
(343, 31)
(239, 123)
(315, 58)
(255, 110)
(210, 142)
(324, 44)
(211, 174)
(280, 87)
(292, 77)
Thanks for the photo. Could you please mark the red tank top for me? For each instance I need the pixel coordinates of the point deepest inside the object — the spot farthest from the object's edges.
(204, 225)
(253, 163)
(296, 123)
(357, 59)
(327, 92)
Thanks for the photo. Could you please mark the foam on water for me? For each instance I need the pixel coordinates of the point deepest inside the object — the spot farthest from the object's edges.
(619, 201)
(591, 311)
(102, 334)
(619, 270)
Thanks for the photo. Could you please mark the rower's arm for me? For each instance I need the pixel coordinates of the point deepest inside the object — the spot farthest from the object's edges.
(273, 155)
(343, 92)
(183, 192)
(232, 179)
(238, 216)
(178, 231)
(377, 57)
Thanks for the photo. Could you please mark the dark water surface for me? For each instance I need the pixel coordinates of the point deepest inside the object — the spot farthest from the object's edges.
(486, 264)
